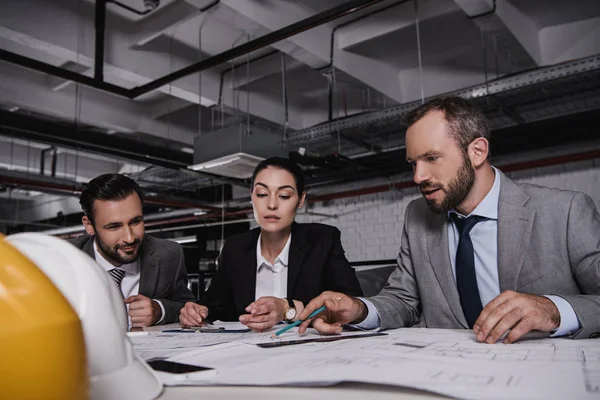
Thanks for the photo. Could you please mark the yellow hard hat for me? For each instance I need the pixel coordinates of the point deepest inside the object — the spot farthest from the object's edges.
(115, 371)
(41, 339)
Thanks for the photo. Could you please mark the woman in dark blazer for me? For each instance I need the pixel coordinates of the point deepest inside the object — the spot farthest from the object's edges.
(269, 273)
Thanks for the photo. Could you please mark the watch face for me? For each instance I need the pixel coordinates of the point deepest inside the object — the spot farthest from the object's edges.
(290, 314)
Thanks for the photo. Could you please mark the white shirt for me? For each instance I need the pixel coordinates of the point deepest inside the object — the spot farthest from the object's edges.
(271, 279)
(130, 284)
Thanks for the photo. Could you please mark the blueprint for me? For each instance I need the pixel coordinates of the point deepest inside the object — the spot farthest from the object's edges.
(439, 361)
(157, 344)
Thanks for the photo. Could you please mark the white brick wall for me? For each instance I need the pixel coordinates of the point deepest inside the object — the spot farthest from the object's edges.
(371, 225)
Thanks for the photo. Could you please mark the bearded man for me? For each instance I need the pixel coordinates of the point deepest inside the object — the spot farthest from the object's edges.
(149, 272)
(480, 251)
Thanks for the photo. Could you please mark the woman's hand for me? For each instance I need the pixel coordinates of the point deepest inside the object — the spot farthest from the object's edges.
(192, 314)
(264, 313)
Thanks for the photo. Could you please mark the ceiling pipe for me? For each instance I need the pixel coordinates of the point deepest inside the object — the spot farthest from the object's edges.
(71, 231)
(256, 44)
(358, 142)
(66, 134)
(100, 25)
(131, 9)
(332, 45)
(485, 13)
(352, 193)
(76, 189)
(234, 67)
(221, 58)
(510, 167)
(63, 73)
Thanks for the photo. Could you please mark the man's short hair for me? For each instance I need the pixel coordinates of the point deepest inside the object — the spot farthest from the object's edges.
(466, 122)
(107, 187)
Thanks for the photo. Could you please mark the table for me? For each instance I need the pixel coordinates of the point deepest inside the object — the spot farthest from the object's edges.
(346, 391)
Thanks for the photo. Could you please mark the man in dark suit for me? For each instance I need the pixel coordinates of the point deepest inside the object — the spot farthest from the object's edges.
(149, 272)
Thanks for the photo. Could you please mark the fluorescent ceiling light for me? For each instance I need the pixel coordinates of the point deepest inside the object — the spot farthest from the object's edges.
(238, 165)
(184, 239)
(214, 164)
(188, 150)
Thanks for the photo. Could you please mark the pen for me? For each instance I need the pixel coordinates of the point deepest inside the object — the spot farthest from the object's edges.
(290, 326)
(196, 329)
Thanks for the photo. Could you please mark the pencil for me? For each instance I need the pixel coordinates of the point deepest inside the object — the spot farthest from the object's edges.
(290, 326)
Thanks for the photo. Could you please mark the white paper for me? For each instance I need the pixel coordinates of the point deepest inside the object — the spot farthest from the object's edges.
(165, 345)
(441, 361)
(230, 325)
(158, 344)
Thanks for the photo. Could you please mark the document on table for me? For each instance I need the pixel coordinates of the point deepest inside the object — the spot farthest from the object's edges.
(230, 325)
(169, 344)
(446, 362)
(165, 345)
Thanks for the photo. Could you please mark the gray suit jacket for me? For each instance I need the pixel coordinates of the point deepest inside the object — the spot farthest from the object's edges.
(548, 244)
(162, 272)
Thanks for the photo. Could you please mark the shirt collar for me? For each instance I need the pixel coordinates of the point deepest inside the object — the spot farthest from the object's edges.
(283, 257)
(130, 268)
(488, 207)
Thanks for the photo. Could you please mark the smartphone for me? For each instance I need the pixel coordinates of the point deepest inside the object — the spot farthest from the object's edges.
(174, 368)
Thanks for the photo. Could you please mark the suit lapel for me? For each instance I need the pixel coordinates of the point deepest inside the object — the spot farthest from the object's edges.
(439, 257)
(296, 256)
(246, 270)
(88, 247)
(149, 269)
(514, 232)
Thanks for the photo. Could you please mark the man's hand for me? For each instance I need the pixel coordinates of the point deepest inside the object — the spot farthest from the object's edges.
(264, 313)
(143, 310)
(517, 312)
(341, 309)
(192, 314)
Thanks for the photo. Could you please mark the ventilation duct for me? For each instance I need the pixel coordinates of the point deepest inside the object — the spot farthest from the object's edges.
(232, 153)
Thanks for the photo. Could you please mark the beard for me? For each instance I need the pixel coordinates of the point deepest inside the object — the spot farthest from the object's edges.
(123, 257)
(456, 191)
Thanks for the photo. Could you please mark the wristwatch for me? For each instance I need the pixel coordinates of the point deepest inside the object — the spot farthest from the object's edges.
(290, 313)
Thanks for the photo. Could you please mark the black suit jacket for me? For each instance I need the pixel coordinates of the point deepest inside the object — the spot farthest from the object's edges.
(162, 272)
(316, 263)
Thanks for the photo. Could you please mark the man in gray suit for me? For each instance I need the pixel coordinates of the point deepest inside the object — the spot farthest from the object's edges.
(149, 272)
(478, 250)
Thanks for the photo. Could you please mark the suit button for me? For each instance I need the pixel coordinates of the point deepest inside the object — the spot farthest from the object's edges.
(595, 335)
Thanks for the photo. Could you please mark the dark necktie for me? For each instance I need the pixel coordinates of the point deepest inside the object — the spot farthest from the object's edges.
(466, 279)
(117, 275)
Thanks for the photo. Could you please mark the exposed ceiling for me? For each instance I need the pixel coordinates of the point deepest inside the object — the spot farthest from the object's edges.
(339, 90)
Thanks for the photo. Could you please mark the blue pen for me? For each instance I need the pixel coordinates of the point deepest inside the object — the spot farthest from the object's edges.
(290, 326)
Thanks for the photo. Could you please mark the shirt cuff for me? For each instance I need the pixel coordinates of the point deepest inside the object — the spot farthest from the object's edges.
(372, 321)
(569, 323)
(162, 312)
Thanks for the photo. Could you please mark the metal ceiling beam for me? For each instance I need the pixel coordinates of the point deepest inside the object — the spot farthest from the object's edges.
(256, 44)
(50, 69)
(100, 25)
(71, 136)
(221, 58)
(68, 135)
(395, 115)
(66, 187)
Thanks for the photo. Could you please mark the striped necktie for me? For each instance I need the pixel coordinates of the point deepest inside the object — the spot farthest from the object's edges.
(117, 275)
